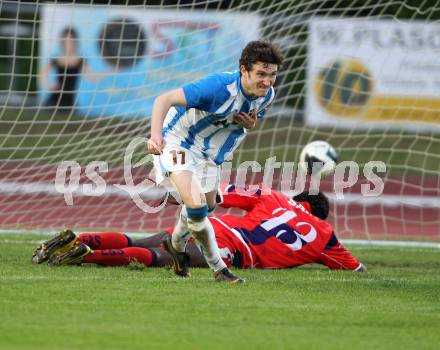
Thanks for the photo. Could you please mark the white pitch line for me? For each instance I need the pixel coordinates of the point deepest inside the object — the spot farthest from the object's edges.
(11, 187)
(383, 243)
(51, 232)
(387, 200)
(391, 243)
(154, 193)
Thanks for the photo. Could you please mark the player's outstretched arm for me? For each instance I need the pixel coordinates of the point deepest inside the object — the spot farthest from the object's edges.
(161, 106)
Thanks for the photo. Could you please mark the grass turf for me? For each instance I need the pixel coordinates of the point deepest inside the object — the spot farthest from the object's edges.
(395, 305)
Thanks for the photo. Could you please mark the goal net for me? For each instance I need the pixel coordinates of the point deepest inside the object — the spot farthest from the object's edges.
(78, 80)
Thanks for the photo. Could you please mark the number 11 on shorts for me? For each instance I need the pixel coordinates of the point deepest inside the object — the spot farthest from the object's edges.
(178, 157)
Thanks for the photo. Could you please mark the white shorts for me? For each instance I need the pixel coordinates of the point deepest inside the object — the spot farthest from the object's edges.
(175, 158)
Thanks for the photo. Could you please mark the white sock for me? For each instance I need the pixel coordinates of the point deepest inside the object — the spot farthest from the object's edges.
(203, 234)
(181, 233)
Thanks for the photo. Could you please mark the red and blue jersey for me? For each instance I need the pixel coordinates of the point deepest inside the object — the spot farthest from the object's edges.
(276, 231)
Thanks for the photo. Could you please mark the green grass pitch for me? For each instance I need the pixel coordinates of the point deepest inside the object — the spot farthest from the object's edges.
(396, 305)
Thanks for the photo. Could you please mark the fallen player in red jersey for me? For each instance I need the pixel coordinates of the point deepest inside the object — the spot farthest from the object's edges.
(276, 232)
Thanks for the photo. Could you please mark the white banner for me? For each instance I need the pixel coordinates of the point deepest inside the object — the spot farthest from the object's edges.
(373, 73)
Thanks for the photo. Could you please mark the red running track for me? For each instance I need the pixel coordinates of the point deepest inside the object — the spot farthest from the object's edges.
(350, 220)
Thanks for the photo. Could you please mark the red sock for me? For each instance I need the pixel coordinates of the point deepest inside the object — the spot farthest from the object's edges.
(105, 240)
(120, 257)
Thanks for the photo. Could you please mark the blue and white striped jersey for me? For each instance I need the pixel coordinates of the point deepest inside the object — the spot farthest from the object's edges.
(206, 125)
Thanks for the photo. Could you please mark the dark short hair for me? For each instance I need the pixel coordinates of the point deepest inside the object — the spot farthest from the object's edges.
(260, 51)
(69, 31)
(319, 203)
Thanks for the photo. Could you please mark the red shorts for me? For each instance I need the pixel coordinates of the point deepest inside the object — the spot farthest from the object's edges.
(233, 250)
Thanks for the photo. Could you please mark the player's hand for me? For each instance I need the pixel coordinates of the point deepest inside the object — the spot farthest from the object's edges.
(246, 120)
(155, 145)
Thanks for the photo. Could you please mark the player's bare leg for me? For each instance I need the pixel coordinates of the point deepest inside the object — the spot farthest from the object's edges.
(192, 195)
(191, 192)
(181, 232)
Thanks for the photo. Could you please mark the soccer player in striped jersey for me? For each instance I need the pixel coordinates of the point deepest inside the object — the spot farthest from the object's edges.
(276, 232)
(194, 129)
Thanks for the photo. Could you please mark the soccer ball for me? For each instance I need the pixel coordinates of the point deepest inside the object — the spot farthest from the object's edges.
(318, 158)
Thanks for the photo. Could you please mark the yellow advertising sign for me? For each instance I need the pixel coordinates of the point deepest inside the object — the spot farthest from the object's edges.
(373, 73)
(345, 88)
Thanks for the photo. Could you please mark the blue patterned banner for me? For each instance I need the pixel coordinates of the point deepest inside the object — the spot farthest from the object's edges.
(130, 55)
